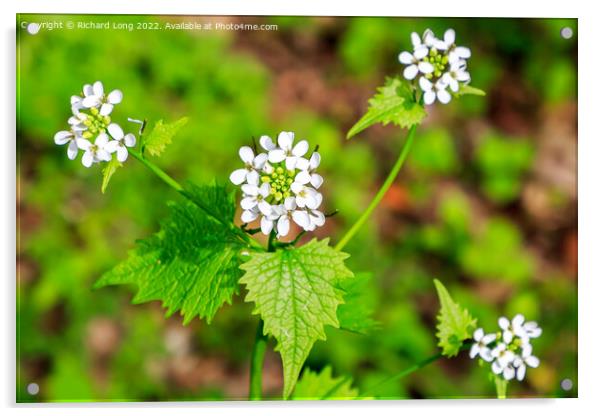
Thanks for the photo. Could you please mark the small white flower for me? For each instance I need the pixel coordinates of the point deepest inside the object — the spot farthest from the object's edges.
(96, 98)
(434, 91)
(64, 137)
(429, 38)
(286, 151)
(120, 143)
(305, 196)
(532, 330)
(308, 171)
(252, 165)
(481, 345)
(503, 356)
(94, 153)
(512, 329)
(448, 45)
(457, 72)
(508, 371)
(253, 195)
(521, 363)
(415, 63)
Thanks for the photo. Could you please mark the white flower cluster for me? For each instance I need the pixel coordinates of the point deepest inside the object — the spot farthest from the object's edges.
(91, 129)
(280, 185)
(509, 351)
(440, 65)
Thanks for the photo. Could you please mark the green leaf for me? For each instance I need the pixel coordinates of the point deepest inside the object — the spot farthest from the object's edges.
(295, 292)
(162, 135)
(455, 323)
(466, 89)
(192, 263)
(393, 103)
(108, 171)
(356, 313)
(323, 386)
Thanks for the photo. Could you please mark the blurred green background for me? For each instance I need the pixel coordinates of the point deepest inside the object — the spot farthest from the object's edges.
(486, 203)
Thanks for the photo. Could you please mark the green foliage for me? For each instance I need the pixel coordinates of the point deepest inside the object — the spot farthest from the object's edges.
(108, 171)
(455, 323)
(393, 103)
(161, 136)
(191, 264)
(498, 253)
(295, 292)
(356, 313)
(502, 162)
(466, 89)
(434, 153)
(323, 386)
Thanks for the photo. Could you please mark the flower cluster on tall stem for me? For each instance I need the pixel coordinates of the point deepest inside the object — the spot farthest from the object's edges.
(91, 129)
(509, 350)
(437, 66)
(280, 185)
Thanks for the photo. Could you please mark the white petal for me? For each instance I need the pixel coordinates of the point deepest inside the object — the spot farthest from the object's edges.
(251, 190)
(416, 41)
(98, 88)
(267, 143)
(503, 322)
(410, 72)
(238, 176)
(316, 180)
(284, 226)
(425, 67)
(462, 52)
(406, 58)
(252, 177)
(478, 334)
(91, 101)
(291, 162)
(474, 350)
(112, 146)
(115, 131)
(518, 321)
(488, 339)
(285, 140)
(248, 203)
(83, 144)
(63, 137)
(425, 84)
(106, 109)
(462, 76)
(301, 148)
(314, 161)
(87, 159)
(129, 140)
(527, 350)
(266, 225)
(122, 153)
(72, 150)
(88, 90)
(317, 217)
(115, 97)
(264, 190)
(276, 155)
(311, 200)
(444, 96)
(289, 203)
(265, 208)
(509, 373)
(429, 97)
(496, 367)
(508, 335)
(441, 45)
(450, 36)
(302, 163)
(421, 52)
(103, 155)
(453, 84)
(486, 355)
(303, 177)
(318, 198)
(246, 154)
(260, 160)
(532, 361)
(301, 218)
(535, 333)
(248, 216)
(297, 187)
(102, 140)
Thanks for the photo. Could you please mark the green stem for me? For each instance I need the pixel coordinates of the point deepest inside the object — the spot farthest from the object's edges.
(257, 356)
(501, 387)
(382, 191)
(157, 171)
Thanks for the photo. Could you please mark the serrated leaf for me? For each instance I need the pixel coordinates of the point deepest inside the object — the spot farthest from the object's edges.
(455, 323)
(393, 103)
(162, 135)
(295, 292)
(323, 386)
(108, 171)
(191, 265)
(356, 313)
(466, 89)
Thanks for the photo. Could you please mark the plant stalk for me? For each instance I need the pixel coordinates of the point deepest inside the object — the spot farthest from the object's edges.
(382, 191)
(257, 357)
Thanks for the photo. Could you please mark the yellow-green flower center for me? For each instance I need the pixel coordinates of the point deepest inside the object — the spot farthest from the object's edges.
(439, 62)
(95, 123)
(280, 181)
